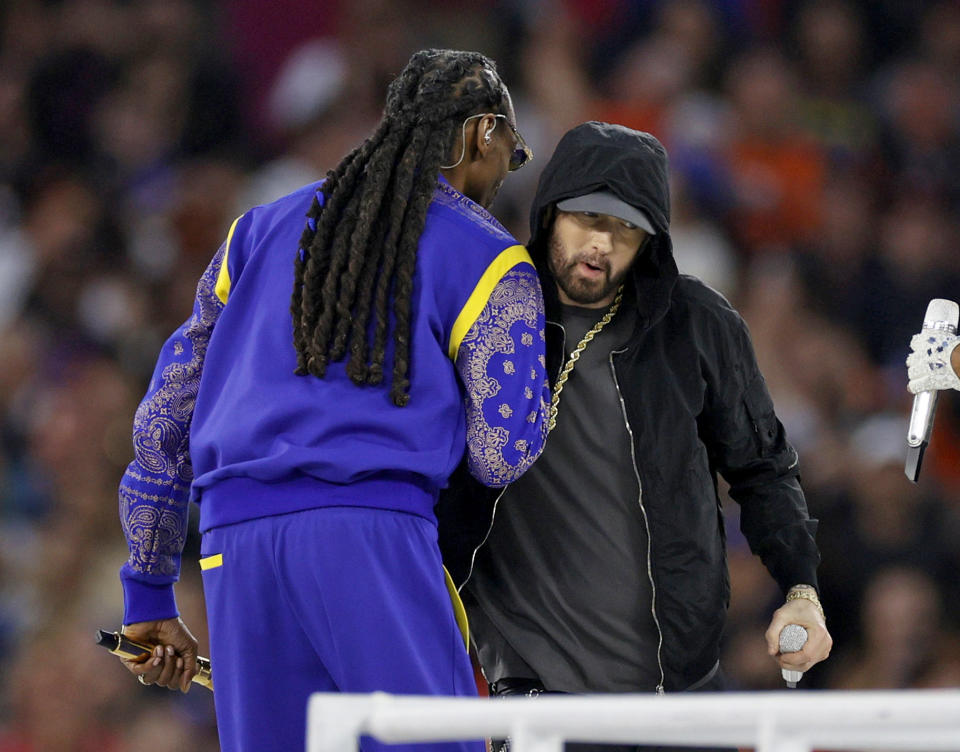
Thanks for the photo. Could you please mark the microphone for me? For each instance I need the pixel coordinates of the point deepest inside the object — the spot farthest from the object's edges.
(792, 639)
(941, 314)
(121, 645)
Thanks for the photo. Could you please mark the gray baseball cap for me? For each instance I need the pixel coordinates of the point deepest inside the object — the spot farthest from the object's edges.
(604, 202)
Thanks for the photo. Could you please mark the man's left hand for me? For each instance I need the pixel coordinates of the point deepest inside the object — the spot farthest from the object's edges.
(818, 644)
(173, 662)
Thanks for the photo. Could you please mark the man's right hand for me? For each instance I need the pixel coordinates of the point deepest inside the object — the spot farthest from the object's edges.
(818, 644)
(173, 662)
(932, 364)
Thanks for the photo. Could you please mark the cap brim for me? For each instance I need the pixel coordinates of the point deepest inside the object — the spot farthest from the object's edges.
(604, 202)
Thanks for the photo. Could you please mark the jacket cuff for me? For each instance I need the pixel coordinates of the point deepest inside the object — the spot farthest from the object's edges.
(798, 573)
(144, 602)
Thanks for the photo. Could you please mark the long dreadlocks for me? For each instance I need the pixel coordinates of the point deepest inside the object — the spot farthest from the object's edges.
(362, 254)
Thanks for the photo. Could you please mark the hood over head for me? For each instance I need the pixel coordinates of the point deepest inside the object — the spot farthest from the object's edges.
(632, 166)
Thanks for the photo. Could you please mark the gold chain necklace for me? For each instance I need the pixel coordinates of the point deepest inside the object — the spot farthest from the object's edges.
(575, 356)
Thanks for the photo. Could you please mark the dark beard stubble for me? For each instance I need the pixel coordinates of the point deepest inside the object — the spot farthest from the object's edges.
(577, 289)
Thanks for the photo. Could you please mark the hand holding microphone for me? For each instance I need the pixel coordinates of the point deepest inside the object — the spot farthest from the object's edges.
(928, 365)
(929, 369)
(122, 646)
(164, 652)
(797, 637)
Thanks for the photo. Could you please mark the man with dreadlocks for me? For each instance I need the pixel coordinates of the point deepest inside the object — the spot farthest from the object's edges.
(315, 432)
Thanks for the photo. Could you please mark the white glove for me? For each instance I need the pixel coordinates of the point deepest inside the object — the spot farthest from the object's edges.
(928, 366)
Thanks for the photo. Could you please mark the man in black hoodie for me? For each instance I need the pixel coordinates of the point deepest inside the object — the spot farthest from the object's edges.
(604, 568)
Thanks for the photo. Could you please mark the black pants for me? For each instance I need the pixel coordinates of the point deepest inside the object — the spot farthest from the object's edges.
(532, 688)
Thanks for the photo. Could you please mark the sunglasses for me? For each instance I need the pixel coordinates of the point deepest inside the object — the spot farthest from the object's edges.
(520, 155)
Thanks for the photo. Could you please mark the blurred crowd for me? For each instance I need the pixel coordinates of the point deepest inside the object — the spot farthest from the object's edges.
(815, 154)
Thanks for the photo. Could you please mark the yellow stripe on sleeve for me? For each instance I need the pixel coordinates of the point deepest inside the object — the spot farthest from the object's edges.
(471, 310)
(222, 288)
(211, 562)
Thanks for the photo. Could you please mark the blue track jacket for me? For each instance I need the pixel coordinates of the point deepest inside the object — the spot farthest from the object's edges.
(224, 407)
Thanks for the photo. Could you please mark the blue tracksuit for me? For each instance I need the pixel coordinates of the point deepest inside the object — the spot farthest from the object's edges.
(321, 569)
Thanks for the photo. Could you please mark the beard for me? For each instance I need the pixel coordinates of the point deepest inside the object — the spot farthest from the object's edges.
(576, 287)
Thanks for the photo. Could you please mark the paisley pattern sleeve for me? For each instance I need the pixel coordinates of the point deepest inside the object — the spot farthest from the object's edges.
(501, 361)
(154, 491)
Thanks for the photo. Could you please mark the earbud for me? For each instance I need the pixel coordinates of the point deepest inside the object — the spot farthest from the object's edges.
(486, 136)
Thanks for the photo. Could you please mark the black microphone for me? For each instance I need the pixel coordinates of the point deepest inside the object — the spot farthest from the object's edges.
(945, 315)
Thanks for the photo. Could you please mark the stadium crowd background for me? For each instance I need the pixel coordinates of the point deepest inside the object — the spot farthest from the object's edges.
(815, 149)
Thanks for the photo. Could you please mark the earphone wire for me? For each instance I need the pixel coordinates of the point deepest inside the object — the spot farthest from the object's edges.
(463, 139)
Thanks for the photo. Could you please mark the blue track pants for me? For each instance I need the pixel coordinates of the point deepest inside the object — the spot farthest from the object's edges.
(342, 599)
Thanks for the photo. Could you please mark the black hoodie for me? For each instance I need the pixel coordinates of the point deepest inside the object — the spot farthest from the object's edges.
(695, 405)
(633, 166)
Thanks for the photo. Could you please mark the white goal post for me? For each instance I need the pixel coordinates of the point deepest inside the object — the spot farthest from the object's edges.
(782, 721)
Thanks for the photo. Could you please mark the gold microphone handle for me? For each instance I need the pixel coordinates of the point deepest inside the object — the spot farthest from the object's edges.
(123, 646)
